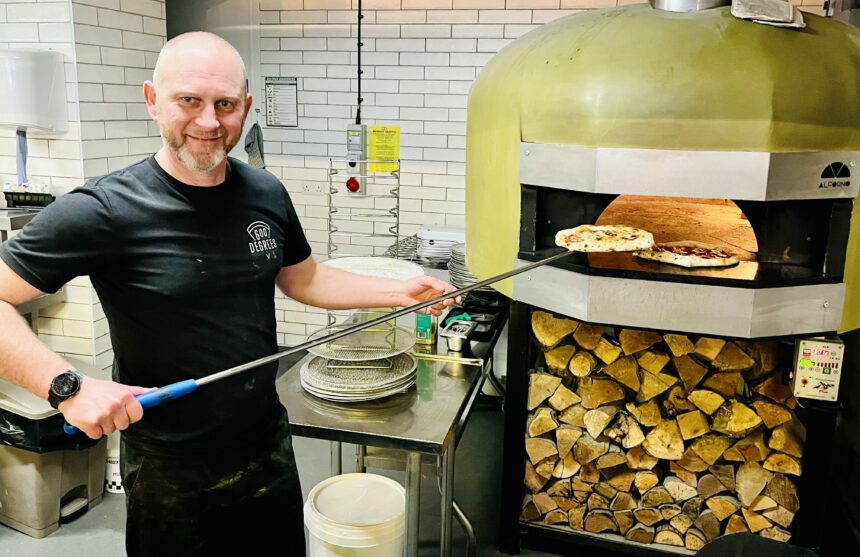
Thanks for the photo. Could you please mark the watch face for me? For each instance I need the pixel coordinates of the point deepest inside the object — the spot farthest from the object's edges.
(65, 384)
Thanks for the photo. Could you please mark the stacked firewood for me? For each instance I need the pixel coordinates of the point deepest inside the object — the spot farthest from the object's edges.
(659, 438)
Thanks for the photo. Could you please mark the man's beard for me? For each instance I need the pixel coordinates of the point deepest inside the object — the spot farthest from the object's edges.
(198, 161)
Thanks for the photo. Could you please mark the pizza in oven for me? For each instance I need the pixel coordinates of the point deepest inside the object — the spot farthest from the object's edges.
(604, 238)
(688, 254)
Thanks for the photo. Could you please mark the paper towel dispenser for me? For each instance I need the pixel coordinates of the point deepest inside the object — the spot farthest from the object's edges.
(33, 89)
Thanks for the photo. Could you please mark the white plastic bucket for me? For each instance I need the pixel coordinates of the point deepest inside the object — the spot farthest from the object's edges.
(356, 515)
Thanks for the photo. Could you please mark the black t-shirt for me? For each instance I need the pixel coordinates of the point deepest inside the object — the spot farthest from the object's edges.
(185, 275)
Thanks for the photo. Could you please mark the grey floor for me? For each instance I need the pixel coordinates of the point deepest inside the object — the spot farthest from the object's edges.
(99, 531)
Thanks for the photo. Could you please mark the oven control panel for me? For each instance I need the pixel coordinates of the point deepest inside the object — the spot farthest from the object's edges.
(817, 369)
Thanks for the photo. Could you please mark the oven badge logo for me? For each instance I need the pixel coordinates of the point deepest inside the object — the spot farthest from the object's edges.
(261, 239)
(835, 175)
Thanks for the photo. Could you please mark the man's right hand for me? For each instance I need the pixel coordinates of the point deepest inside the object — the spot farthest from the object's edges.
(102, 407)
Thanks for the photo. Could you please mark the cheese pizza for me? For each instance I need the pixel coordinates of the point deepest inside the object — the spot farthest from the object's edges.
(688, 254)
(605, 238)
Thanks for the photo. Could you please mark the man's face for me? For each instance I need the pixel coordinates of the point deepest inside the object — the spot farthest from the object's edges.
(200, 105)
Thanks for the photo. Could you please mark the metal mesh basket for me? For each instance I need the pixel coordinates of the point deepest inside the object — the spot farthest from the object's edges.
(376, 343)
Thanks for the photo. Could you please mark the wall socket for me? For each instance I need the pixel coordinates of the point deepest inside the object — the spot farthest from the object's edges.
(313, 188)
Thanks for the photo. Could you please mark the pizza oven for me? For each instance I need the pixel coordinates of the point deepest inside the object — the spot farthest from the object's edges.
(694, 125)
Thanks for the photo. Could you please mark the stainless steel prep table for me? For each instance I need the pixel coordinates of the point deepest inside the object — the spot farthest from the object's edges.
(429, 419)
(13, 219)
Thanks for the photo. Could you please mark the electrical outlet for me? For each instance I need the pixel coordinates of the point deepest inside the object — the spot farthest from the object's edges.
(313, 188)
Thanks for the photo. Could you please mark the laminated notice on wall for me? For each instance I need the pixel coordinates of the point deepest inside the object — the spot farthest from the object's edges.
(383, 145)
(281, 102)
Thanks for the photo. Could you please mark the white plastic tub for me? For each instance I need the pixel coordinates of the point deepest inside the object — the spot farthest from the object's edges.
(356, 515)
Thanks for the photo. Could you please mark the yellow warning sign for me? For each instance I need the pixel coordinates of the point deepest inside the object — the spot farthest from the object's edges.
(383, 145)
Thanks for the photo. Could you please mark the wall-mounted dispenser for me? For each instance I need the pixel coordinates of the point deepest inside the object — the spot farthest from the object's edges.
(33, 89)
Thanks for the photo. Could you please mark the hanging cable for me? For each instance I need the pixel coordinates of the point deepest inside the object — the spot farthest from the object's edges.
(360, 71)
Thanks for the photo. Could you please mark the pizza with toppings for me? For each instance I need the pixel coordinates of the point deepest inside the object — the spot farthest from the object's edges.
(604, 238)
(688, 254)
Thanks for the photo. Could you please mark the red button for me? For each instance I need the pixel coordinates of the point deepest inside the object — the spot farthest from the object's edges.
(353, 184)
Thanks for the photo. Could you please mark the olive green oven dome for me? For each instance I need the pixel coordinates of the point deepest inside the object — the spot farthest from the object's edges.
(638, 77)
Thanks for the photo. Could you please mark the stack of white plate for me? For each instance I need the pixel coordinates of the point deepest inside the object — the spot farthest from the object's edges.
(435, 243)
(459, 272)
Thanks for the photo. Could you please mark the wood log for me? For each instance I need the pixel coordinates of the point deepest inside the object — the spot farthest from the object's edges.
(755, 521)
(557, 516)
(763, 503)
(625, 370)
(751, 448)
(736, 524)
(624, 519)
(533, 480)
(566, 437)
(735, 419)
(678, 489)
(550, 330)
(708, 486)
(780, 515)
(625, 430)
(565, 503)
(587, 449)
(667, 535)
(681, 523)
(771, 414)
(645, 480)
(541, 422)
(530, 512)
(774, 389)
(573, 415)
(723, 506)
(675, 401)
(669, 510)
(598, 392)
(587, 336)
(598, 419)
(600, 520)
(578, 484)
(640, 533)
(620, 477)
(691, 460)
(732, 358)
(782, 490)
(647, 414)
(647, 515)
(563, 398)
(783, 464)
(694, 539)
(559, 488)
(664, 441)
(566, 467)
(690, 371)
(692, 424)
(622, 502)
(766, 355)
(638, 459)
(710, 448)
(546, 466)
(656, 496)
(575, 516)
(582, 364)
(751, 480)
(726, 383)
(613, 457)
(776, 533)
(709, 524)
(607, 351)
(541, 387)
(605, 490)
(589, 473)
(652, 361)
(706, 401)
(597, 501)
(708, 348)
(634, 340)
(689, 478)
(693, 507)
(544, 503)
(539, 448)
(653, 385)
(725, 473)
(558, 358)
(680, 345)
(788, 438)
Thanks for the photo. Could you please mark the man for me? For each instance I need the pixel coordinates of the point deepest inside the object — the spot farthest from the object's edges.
(183, 249)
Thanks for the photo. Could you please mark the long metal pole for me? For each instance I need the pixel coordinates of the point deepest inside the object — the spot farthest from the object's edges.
(373, 322)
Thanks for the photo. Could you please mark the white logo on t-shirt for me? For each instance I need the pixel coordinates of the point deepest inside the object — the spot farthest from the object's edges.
(261, 239)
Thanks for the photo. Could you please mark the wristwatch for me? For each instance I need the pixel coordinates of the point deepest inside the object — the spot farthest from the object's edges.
(64, 386)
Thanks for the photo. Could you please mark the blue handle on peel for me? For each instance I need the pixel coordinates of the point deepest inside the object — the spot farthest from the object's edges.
(153, 398)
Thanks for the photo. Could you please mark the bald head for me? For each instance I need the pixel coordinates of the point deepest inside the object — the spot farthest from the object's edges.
(200, 44)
